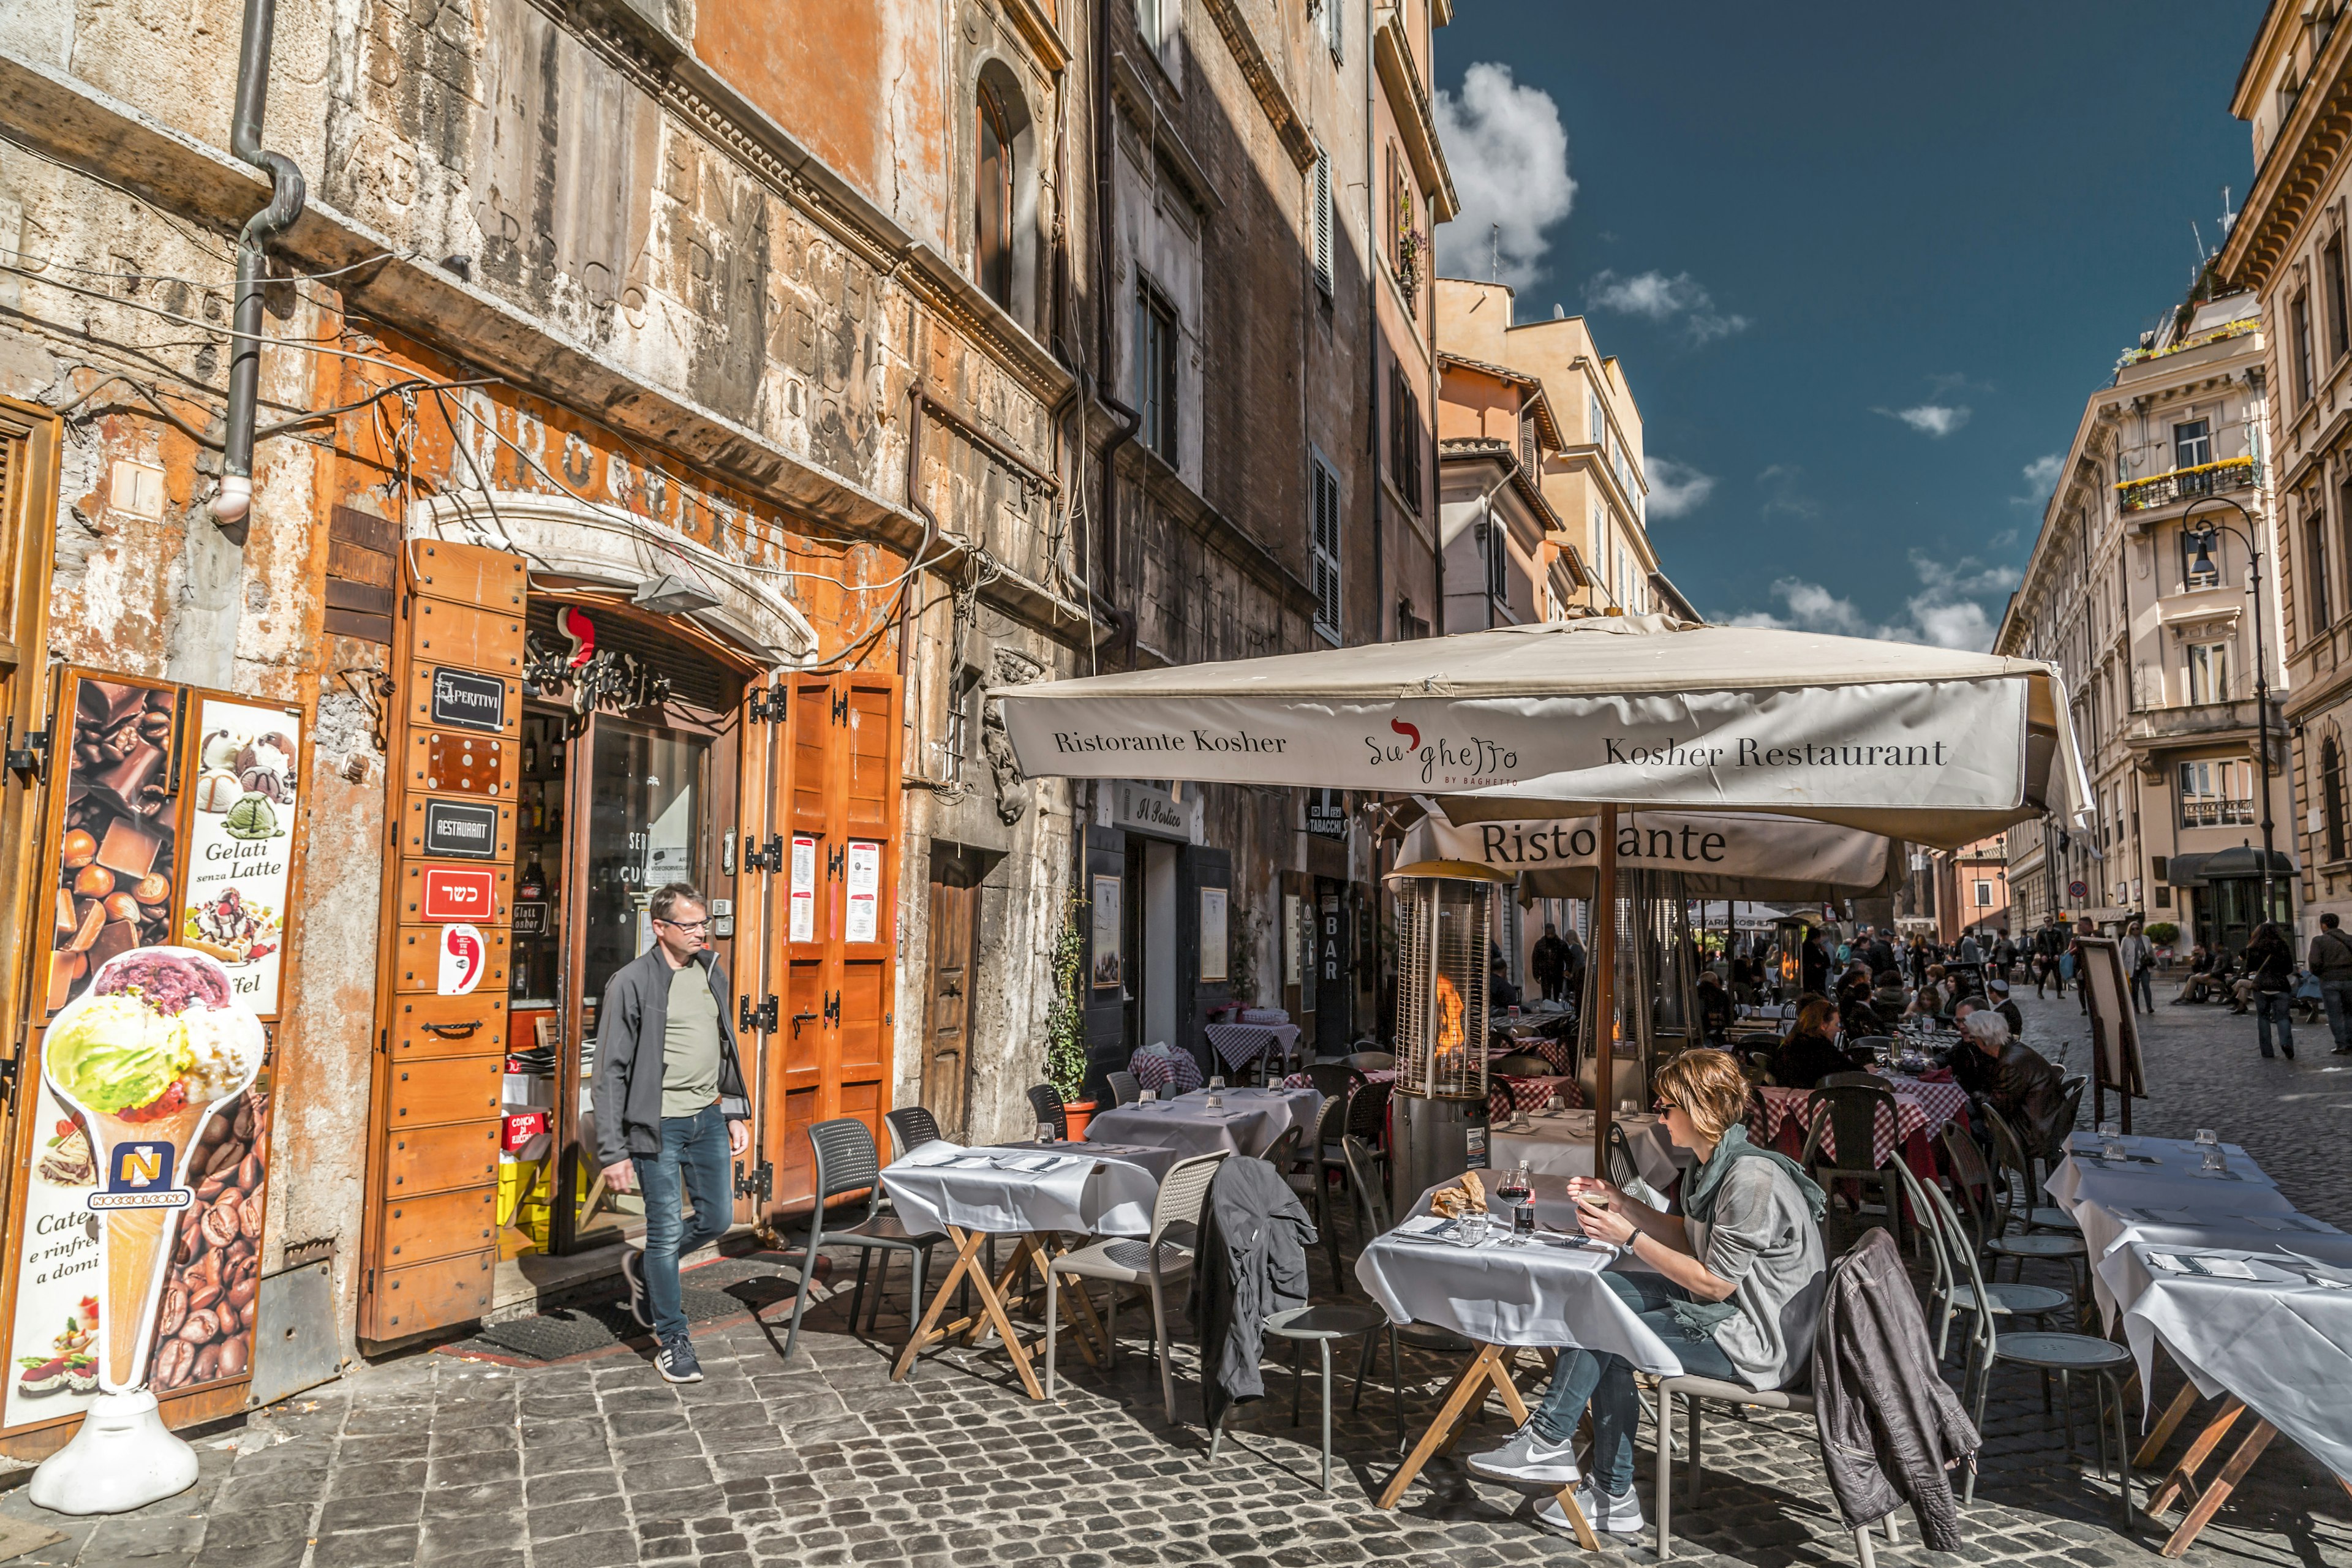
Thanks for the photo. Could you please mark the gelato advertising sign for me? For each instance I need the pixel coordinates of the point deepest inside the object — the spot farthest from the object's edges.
(240, 844)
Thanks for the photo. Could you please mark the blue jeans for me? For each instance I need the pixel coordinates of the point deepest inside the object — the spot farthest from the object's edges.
(2278, 1005)
(2338, 994)
(1605, 1380)
(693, 1155)
(2143, 986)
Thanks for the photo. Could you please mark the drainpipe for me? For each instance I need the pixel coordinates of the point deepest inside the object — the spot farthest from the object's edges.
(235, 500)
(1105, 157)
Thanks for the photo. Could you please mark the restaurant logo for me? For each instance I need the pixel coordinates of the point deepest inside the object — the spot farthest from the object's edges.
(461, 828)
(465, 958)
(1452, 762)
(138, 1176)
(455, 894)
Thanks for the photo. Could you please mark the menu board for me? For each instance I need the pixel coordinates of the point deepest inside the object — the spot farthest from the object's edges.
(865, 876)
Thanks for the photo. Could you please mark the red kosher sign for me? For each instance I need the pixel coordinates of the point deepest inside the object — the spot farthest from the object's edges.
(455, 893)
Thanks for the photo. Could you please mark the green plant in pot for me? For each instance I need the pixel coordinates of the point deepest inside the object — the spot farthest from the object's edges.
(1065, 1017)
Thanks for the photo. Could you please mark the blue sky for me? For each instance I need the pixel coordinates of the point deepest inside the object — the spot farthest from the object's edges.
(1863, 263)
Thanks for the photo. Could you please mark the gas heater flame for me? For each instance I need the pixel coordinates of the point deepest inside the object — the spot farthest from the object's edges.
(1449, 1016)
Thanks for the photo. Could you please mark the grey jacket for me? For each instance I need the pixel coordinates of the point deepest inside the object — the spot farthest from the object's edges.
(2330, 957)
(1891, 1427)
(627, 1093)
(1251, 1262)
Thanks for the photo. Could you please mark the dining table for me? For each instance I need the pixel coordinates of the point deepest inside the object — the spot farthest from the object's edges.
(1504, 1295)
(1033, 1192)
(2196, 1251)
(1243, 1120)
(1559, 1143)
(1780, 1118)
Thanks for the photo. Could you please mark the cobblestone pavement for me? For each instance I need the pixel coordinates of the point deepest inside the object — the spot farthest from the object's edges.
(457, 1462)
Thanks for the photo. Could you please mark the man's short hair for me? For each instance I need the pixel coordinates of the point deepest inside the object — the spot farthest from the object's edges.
(2329, 920)
(669, 895)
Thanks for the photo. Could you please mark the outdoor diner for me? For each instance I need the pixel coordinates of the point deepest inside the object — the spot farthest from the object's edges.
(1845, 1212)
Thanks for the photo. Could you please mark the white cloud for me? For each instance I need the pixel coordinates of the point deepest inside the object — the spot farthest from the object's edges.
(1946, 613)
(1676, 489)
(1783, 495)
(1508, 154)
(2041, 478)
(1935, 420)
(1661, 299)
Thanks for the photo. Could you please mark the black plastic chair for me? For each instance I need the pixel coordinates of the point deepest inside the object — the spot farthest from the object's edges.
(1372, 1061)
(1368, 1121)
(1372, 1209)
(848, 1162)
(1846, 1108)
(1046, 1101)
(911, 1127)
(1124, 1089)
(1332, 1080)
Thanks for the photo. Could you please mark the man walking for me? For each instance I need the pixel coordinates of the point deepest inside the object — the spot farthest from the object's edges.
(1550, 962)
(670, 1109)
(2139, 964)
(2330, 959)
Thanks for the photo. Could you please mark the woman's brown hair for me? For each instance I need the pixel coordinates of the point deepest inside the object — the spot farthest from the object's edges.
(1710, 1089)
(1815, 1018)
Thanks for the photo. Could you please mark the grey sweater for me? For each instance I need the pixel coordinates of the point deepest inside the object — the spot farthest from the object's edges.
(1765, 1242)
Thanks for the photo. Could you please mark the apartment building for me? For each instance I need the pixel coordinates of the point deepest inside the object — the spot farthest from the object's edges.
(2142, 587)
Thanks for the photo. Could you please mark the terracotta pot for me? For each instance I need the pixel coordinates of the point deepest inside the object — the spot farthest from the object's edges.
(1079, 1113)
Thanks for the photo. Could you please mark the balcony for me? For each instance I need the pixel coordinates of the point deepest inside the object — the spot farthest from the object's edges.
(2186, 484)
(2211, 812)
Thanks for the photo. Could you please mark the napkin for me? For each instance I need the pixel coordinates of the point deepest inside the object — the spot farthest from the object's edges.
(1425, 1227)
(1031, 1162)
(2212, 1268)
(2323, 1273)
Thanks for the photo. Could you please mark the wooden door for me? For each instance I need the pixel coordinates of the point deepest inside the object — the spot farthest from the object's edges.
(434, 1122)
(955, 954)
(833, 942)
(28, 482)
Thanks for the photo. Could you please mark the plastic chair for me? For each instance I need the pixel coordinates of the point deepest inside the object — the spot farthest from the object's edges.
(847, 1162)
(1949, 1295)
(1046, 1101)
(2064, 1354)
(1521, 1063)
(1989, 1220)
(911, 1127)
(1314, 1184)
(1154, 1261)
(1368, 1120)
(2058, 1238)
(1850, 1109)
(1124, 1088)
(1372, 1204)
(1332, 1080)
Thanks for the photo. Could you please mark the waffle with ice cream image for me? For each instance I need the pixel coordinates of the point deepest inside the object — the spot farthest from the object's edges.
(155, 1048)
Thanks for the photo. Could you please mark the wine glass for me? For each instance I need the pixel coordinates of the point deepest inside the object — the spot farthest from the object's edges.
(2111, 1140)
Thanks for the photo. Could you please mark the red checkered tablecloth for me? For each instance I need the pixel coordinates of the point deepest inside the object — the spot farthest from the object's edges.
(1921, 1109)
(1559, 1053)
(1238, 1044)
(1505, 1093)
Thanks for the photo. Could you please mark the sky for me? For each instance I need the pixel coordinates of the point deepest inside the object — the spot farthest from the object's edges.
(1862, 264)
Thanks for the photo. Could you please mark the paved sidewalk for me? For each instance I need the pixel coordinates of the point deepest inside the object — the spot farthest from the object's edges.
(434, 1459)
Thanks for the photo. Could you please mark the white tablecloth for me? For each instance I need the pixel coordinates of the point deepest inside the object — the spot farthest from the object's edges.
(1504, 1294)
(1562, 1146)
(1089, 1189)
(2279, 1343)
(1250, 1122)
(2168, 1163)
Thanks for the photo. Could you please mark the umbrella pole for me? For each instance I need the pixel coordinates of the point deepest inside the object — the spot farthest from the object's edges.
(1604, 987)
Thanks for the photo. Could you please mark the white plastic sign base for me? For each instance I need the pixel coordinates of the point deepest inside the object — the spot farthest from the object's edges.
(123, 1458)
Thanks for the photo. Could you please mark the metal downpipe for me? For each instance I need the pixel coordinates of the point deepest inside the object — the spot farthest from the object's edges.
(231, 507)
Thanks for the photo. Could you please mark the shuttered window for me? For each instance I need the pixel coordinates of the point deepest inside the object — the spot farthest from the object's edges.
(1324, 557)
(1335, 28)
(1321, 237)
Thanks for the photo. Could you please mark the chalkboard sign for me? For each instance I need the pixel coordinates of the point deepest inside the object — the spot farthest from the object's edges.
(461, 829)
(469, 701)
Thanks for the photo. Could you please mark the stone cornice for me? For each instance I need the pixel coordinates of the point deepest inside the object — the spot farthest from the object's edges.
(2303, 157)
(1257, 69)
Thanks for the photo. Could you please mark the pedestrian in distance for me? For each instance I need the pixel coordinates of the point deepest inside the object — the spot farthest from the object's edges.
(2330, 959)
(1549, 962)
(2270, 969)
(671, 1109)
(2138, 955)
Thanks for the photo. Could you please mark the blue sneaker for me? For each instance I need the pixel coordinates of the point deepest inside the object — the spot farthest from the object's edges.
(677, 1363)
(633, 1274)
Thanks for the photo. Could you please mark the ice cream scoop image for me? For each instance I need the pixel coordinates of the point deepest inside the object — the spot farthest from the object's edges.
(147, 1055)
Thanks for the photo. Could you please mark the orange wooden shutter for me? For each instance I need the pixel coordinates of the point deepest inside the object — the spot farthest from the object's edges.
(431, 1227)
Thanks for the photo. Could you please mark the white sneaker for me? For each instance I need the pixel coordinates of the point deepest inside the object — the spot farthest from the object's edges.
(1610, 1515)
(1528, 1457)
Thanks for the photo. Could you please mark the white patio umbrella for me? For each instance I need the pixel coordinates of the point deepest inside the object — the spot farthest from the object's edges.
(1564, 718)
(1717, 855)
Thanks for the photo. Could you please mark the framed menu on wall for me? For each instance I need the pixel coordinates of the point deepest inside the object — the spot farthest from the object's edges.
(1108, 928)
(1213, 956)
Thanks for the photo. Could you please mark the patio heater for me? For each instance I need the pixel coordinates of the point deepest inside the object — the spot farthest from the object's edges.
(1445, 917)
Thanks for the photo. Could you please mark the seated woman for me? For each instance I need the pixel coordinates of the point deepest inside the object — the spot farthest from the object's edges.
(1733, 1287)
(1812, 1052)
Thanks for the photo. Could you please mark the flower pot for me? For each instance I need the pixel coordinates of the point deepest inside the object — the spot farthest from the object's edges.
(1079, 1113)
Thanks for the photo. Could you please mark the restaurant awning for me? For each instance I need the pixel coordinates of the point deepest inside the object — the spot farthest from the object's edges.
(1719, 855)
(1561, 718)
(2242, 862)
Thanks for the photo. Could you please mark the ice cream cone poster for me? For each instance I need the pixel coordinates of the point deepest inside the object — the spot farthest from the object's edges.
(139, 1255)
(240, 844)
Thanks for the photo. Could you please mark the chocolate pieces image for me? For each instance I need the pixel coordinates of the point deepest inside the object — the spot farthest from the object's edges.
(117, 856)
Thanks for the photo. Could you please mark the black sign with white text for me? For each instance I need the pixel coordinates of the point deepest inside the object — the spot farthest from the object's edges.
(461, 829)
(469, 701)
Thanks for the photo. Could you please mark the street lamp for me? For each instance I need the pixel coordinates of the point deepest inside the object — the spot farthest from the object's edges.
(2203, 566)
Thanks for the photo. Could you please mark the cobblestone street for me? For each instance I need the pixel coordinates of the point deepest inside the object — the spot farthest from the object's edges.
(455, 1460)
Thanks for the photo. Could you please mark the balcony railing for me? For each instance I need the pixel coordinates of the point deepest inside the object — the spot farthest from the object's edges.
(2217, 813)
(2184, 484)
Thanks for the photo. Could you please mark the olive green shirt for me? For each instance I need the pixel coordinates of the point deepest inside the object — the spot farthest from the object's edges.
(690, 1044)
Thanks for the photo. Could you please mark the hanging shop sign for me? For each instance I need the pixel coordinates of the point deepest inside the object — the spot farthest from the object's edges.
(1134, 807)
(1327, 813)
(143, 1161)
(457, 893)
(461, 828)
(589, 679)
(465, 700)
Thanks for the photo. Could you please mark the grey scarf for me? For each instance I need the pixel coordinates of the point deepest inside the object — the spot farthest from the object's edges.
(1698, 1203)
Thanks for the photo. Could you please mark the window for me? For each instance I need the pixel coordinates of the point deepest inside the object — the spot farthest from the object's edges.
(2218, 794)
(2299, 335)
(1323, 554)
(1404, 230)
(1155, 19)
(2339, 328)
(1156, 344)
(1404, 434)
(991, 247)
(1528, 443)
(2331, 797)
(1497, 541)
(1409, 624)
(2315, 579)
(2192, 444)
(2209, 672)
(1598, 418)
(963, 708)
(2191, 574)
(1984, 895)
(1332, 23)
(1321, 238)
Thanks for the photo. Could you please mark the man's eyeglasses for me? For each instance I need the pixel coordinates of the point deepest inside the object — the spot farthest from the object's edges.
(684, 925)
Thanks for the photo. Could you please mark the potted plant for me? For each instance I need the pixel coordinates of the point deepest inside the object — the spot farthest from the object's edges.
(1065, 1021)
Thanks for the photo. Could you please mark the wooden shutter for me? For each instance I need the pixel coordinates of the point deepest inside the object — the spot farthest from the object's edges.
(430, 1232)
(1322, 220)
(1323, 576)
(836, 810)
(28, 506)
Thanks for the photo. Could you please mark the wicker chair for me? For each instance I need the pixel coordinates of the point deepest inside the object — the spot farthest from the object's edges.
(1124, 1088)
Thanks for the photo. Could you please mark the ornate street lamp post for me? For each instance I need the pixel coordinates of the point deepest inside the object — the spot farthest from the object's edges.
(2202, 565)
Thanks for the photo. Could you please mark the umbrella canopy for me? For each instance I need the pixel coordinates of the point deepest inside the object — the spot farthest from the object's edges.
(1719, 855)
(1922, 744)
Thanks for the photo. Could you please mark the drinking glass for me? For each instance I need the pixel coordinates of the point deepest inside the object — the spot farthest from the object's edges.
(1044, 1132)
(1217, 1082)
(1551, 1105)
(2214, 1159)
(1146, 1096)
(1472, 1228)
(2111, 1140)
(2206, 1136)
